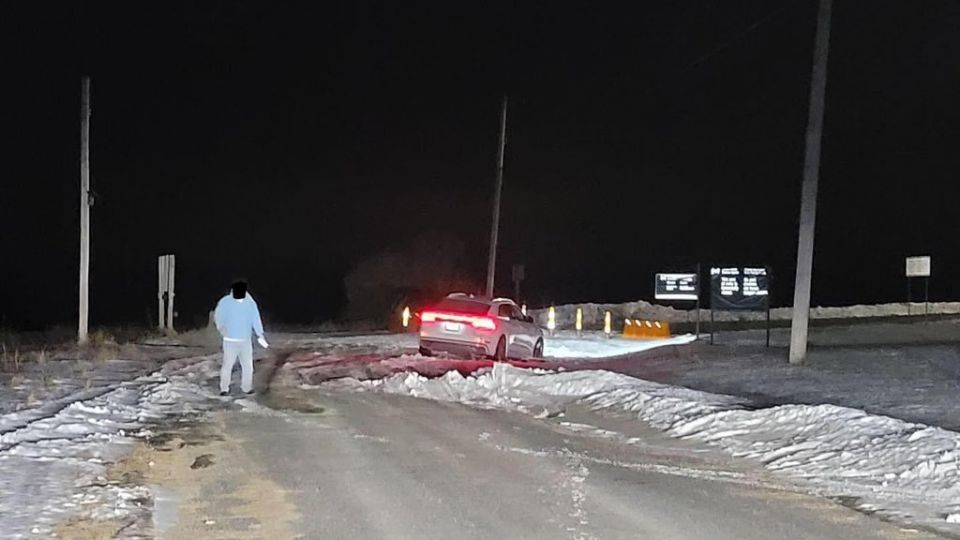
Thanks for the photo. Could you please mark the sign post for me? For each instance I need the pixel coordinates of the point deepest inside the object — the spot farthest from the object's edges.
(918, 267)
(519, 272)
(166, 270)
(698, 301)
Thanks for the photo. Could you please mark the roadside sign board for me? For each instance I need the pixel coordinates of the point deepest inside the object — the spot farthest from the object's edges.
(739, 289)
(918, 266)
(677, 287)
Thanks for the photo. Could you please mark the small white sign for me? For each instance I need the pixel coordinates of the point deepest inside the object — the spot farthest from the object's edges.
(918, 266)
(676, 287)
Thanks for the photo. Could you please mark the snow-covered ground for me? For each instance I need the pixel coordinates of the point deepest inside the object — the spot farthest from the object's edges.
(909, 371)
(53, 457)
(596, 345)
(902, 470)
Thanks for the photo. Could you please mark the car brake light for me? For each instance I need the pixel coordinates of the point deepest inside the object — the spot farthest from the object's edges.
(484, 323)
(478, 322)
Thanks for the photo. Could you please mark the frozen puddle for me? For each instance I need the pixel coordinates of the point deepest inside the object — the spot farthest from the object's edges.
(165, 505)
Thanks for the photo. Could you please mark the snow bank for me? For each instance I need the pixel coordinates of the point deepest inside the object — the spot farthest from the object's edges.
(542, 392)
(899, 469)
(593, 313)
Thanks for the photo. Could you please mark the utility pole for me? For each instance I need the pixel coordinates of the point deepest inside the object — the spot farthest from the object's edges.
(84, 307)
(495, 225)
(808, 196)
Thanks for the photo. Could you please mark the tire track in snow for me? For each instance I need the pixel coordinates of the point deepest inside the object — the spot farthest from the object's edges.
(23, 421)
(53, 465)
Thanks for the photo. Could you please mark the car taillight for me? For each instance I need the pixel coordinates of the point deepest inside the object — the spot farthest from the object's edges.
(478, 322)
(484, 323)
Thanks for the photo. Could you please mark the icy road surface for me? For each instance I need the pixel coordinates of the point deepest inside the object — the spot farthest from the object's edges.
(383, 466)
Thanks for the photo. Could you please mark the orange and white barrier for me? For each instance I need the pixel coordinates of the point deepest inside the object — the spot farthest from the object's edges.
(645, 329)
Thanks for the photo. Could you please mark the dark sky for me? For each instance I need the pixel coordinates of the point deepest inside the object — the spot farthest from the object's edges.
(286, 143)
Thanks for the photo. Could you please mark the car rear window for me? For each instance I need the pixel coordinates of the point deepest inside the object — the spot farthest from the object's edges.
(463, 306)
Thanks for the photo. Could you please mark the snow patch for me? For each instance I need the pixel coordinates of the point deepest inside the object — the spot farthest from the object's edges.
(53, 464)
(593, 345)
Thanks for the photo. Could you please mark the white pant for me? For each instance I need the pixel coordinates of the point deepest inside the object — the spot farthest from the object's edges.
(233, 350)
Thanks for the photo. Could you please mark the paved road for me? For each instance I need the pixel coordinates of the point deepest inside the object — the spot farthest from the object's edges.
(381, 466)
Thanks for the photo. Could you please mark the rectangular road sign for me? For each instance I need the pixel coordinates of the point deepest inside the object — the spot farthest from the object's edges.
(739, 288)
(918, 266)
(677, 287)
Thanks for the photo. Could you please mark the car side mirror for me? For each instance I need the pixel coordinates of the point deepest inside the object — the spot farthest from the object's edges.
(528, 318)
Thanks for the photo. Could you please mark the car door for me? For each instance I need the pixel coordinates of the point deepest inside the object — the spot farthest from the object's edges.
(510, 331)
(531, 333)
(521, 332)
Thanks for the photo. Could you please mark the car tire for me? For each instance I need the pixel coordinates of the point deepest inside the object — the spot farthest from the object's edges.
(500, 355)
(538, 349)
(425, 352)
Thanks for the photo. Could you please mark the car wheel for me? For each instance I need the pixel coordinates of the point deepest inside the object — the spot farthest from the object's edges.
(501, 354)
(425, 352)
(538, 349)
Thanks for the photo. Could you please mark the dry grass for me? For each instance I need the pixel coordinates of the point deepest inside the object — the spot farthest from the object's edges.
(331, 327)
(206, 337)
(10, 361)
(101, 347)
(13, 361)
(41, 360)
(36, 349)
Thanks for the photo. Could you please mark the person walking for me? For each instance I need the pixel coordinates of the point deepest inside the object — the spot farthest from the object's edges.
(237, 318)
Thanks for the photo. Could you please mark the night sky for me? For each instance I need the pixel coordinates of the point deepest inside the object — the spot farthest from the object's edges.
(289, 143)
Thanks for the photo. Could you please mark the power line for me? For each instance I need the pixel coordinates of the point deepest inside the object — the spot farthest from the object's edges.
(728, 44)
(745, 32)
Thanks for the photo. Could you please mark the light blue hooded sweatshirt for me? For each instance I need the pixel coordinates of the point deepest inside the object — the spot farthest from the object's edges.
(237, 319)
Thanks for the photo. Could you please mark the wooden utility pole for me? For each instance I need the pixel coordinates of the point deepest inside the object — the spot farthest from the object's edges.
(495, 225)
(808, 196)
(84, 307)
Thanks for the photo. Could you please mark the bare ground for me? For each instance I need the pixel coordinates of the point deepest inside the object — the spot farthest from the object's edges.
(220, 493)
